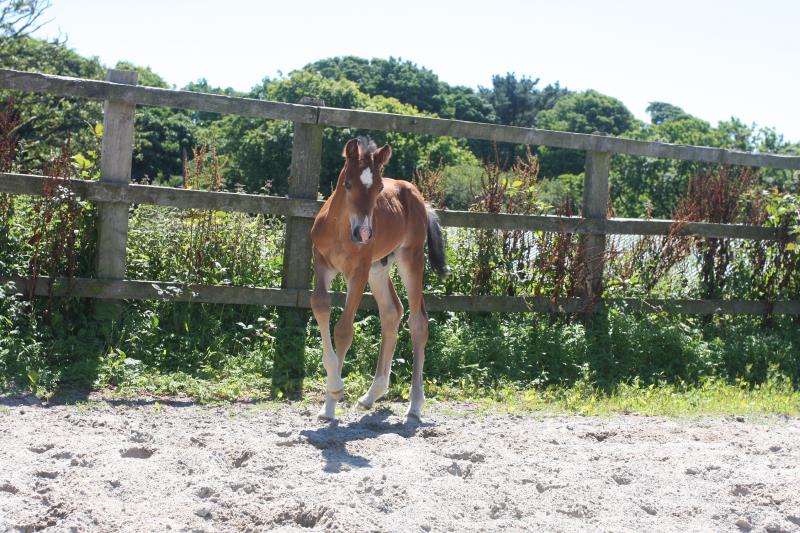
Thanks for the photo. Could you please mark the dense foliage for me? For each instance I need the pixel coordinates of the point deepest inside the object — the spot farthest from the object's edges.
(48, 342)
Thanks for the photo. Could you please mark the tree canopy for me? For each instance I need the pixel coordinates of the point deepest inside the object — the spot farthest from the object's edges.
(256, 153)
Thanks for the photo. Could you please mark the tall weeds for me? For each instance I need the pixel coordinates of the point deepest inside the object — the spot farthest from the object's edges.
(208, 247)
(503, 256)
(9, 144)
(558, 267)
(717, 196)
(58, 221)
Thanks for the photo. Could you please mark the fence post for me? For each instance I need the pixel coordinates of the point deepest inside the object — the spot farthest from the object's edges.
(116, 157)
(595, 206)
(288, 368)
(596, 323)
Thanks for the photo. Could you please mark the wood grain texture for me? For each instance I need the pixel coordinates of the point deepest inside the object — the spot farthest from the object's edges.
(595, 208)
(298, 207)
(153, 96)
(159, 290)
(115, 169)
(303, 184)
(348, 118)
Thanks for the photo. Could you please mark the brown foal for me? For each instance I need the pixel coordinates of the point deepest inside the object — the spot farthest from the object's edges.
(368, 223)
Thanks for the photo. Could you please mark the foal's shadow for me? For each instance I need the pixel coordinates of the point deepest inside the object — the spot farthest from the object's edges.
(333, 439)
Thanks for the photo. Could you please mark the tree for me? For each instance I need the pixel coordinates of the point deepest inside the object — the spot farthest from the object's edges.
(583, 112)
(47, 121)
(408, 83)
(661, 112)
(515, 102)
(640, 185)
(161, 138)
(20, 18)
(462, 103)
(391, 77)
(259, 152)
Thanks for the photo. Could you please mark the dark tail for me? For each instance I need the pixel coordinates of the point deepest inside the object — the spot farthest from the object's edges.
(436, 245)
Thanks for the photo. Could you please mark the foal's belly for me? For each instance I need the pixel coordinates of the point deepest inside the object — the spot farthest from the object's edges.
(348, 257)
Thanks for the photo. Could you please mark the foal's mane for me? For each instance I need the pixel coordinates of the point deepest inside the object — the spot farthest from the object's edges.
(365, 146)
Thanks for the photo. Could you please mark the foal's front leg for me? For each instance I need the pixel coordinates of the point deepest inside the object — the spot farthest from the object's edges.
(343, 336)
(321, 306)
(343, 331)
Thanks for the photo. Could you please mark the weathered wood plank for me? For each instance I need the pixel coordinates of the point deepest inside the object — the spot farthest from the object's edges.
(634, 226)
(298, 207)
(168, 196)
(611, 226)
(288, 369)
(159, 290)
(328, 116)
(595, 208)
(116, 157)
(153, 96)
(578, 141)
(303, 184)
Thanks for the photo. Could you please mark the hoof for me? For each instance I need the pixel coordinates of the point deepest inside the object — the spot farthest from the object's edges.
(328, 411)
(365, 403)
(363, 406)
(413, 418)
(323, 416)
(336, 395)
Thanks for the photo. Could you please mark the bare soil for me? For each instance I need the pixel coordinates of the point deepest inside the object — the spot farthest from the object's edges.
(142, 466)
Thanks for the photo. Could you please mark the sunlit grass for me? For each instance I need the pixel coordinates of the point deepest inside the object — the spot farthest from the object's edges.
(776, 396)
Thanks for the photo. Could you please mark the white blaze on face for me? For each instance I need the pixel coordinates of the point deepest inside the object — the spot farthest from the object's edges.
(366, 178)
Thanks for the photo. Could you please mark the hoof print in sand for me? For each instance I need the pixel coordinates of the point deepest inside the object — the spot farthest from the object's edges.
(431, 433)
(468, 455)
(240, 459)
(41, 448)
(599, 436)
(461, 471)
(204, 492)
(8, 487)
(307, 517)
(137, 452)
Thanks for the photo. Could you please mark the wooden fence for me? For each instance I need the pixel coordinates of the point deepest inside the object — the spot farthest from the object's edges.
(114, 193)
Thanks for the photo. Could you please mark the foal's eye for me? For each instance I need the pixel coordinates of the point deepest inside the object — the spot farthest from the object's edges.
(347, 184)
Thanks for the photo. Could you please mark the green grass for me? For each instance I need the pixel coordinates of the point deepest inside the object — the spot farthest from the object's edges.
(775, 396)
(619, 362)
(710, 398)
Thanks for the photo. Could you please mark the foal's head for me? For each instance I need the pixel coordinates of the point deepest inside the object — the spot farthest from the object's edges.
(361, 181)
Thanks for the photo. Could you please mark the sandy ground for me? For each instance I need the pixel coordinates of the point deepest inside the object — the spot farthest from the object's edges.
(138, 466)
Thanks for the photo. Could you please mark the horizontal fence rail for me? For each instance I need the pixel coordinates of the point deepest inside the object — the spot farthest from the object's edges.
(297, 207)
(328, 116)
(217, 294)
(114, 192)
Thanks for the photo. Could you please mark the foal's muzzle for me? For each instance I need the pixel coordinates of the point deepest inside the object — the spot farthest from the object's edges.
(361, 233)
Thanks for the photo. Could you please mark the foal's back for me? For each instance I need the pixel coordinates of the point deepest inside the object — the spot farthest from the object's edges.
(400, 209)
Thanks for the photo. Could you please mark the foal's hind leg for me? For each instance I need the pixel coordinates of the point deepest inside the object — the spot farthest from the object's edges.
(391, 311)
(411, 263)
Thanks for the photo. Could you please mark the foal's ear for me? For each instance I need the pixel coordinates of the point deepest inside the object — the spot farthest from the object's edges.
(382, 155)
(351, 149)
